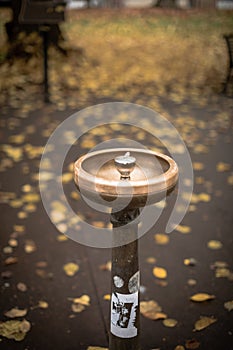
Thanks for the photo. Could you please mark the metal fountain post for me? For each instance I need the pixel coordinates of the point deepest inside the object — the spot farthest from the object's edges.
(124, 324)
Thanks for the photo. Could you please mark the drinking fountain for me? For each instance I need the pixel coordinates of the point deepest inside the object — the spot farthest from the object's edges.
(125, 180)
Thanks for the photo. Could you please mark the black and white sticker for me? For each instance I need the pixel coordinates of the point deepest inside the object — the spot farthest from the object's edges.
(123, 315)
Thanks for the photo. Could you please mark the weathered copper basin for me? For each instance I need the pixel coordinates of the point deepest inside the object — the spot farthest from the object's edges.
(151, 176)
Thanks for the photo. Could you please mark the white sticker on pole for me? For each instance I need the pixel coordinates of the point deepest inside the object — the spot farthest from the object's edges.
(124, 308)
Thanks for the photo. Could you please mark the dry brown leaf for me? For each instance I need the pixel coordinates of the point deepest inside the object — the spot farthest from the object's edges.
(200, 297)
(229, 305)
(7, 250)
(15, 312)
(191, 282)
(80, 304)
(21, 287)
(70, 269)
(160, 272)
(41, 273)
(19, 228)
(11, 260)
(150, 309)
(42, 264)
(107, 266)
(220, 264)
(170, 322)
(161, 238)
(159, 316)
(161, 283)
(204, 322)
(192, 344)
(13, 242)
(77, 307)
(6, 274)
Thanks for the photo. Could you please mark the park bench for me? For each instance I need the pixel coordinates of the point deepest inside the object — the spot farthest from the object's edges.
(5, 3)
(37, 15)
(229, 41)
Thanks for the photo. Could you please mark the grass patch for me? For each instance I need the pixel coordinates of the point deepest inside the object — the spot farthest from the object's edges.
(130, 53)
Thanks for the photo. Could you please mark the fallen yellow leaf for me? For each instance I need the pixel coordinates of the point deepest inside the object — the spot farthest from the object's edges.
(214, 244)
(199, 297)
(229, 305)
(15, 313)
(204, 197)
(179, 347)
(62, 238)
(221, 167)
(17, 138)
(30, 246)
(170, 322)
(67, 177)
(83, 300)
(159, 272)
(151, 260)
(14, 329)
(161, 238)
(151, 310)
(198, 166)
(77, 307)
(70, 269)
(43, 304)
(222, 272)
(183, 229)
(204, 322)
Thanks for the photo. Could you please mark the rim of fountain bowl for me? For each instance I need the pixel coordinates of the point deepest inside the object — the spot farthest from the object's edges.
(167, 180)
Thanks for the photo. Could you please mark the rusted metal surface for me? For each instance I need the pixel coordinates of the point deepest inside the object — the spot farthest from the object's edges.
(153, 175)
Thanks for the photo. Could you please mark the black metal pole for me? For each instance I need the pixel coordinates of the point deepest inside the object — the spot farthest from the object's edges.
(45, 54)
(124, 324)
